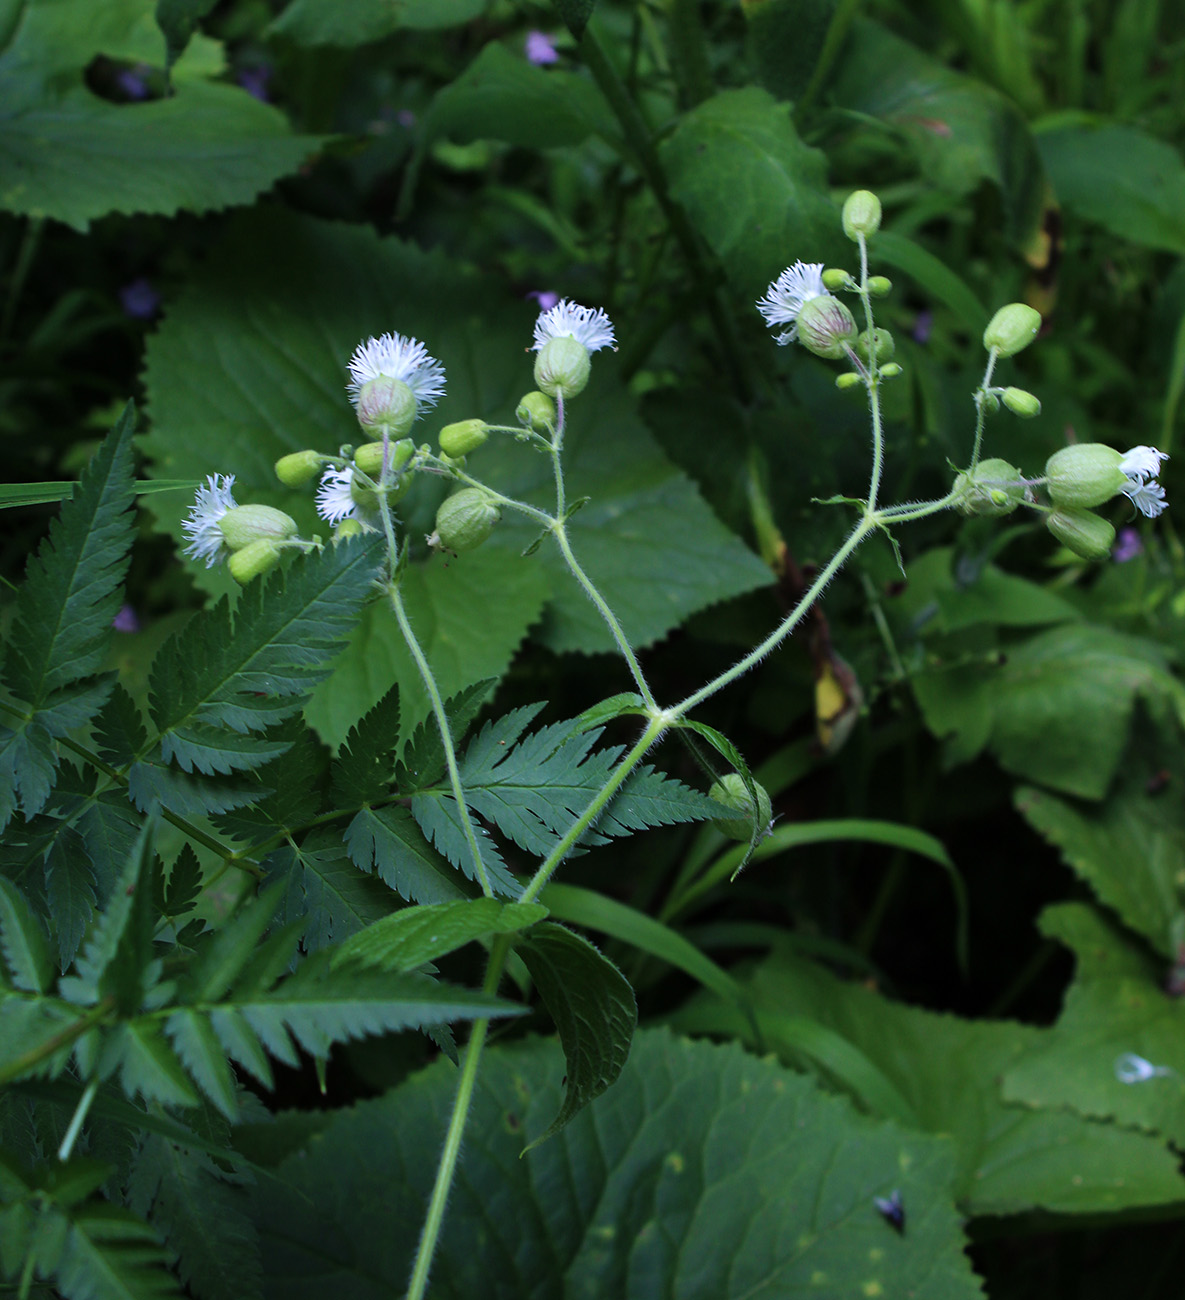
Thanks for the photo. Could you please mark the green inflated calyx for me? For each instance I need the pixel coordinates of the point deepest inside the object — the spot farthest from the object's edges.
(731, 791)
(881, 345)
(386, 403)
(369, 457)
(1011, 329)
(253, 560)
(459, 439)
(465, 520)
(536, 411)
(861, 215)
(993, 488)
(251, 523)
(562, 367)
(1084, 475)
(826, 327)
(1083, 532)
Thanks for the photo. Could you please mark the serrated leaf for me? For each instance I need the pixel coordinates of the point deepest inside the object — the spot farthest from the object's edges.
(422, 761)
(111, 1255)
(23, 941)
(109, 827)
(226, 955)
(593, 1007)
(438, 816)
(70, 891)
(200, 1052)
(389, 841)
(119, 728)
(755, 1183)
(364, 767)
(147, 1065)
(184, 884)
(73, 156)
(153, 785)
(326, 890)
(290, 787)
(417, 935)
(616, 706)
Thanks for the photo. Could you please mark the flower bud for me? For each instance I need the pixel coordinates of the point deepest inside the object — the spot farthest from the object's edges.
(993, 488)
(879, 286)
(731, 791)
(386, 403)
(1011, 329)
(848, 380)
(861, 215)
(825, 327)
(253, 560)
(882, 344)
(834, 279)
(466, 519)
(537, 412)
(299, 468)
(464, 436)
(890, 371)
(562, 367)
(1085, 533)
(1084, 475)
(369, 457)
(246, 524)
(346, 529)
(1021, 403)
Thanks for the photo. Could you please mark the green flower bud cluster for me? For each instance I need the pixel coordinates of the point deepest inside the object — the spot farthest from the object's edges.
(537, 412)
(993, 487)
(732, 792)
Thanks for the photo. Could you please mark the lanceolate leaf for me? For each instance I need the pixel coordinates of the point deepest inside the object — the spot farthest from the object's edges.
(388, 841)
(593, 1007)
(23, 941)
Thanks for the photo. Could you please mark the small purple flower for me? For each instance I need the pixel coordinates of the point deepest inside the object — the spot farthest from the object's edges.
(254, 80)
(545, 298)
(406, 118)
(1127, 547)
(126, 620)
(541, 48)
(132, 83)
(922, 326)
(139, 299)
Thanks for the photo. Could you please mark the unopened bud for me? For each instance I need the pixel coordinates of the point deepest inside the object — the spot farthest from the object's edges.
(861, 215)
(825, 326)
(731, 791)
(848, 380)
(253, 560)
(890, 371)
(346, 529)
(562, 367)
(369, 457)
(1021, 403)
(386, 403)
(834, 279)
(298, 469)
(537, 412)
(880, 286)
(246, 524)
(463, 437)
(1085, 533)
(1084, 475)
(882, 345)
(994, 488)
(1012, 329)
(466, 519)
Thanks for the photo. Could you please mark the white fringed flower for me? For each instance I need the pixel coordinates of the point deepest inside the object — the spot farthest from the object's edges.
(1142, 465)
(789, 293)
(211, 503)
(393, 356)
(589, 326)
(335, 499)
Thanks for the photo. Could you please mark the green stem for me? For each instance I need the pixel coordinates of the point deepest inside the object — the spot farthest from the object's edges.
(20, 272)
(456, 1129)
(981, 405)
(867, 524)
(446, 736)
(76, 1122)
(43, 1051)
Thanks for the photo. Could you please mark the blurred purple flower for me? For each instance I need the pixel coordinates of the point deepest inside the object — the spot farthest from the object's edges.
(132, 83)
(922, 326)
(541, 48)
(126, 620)
(406, 118)
(1127, 547)
(254, 80)
(545, 298)
(140, 300)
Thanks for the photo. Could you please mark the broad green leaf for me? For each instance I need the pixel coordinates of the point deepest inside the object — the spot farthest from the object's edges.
(388, 841)
(751, 187)
(786, 38)
(1121, 178)
(1117, 1050)
(325, 22)
(62, 619)
(1057, 709)
(594, 1011)
(178, 20)
(961, 130)
(703, 1172)
(1130, 849)
(23, 941)
(67, 154)
(417, 935)
(946, 1073)
(501, 96)
(935, 278)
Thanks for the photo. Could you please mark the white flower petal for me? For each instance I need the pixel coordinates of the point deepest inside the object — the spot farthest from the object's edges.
(1142, 462)
(784, 299)
(1148, 498)
(587, 325)
(201, 526)
(335, 502)
(397, 357)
